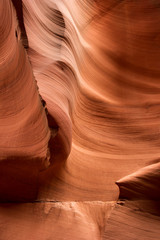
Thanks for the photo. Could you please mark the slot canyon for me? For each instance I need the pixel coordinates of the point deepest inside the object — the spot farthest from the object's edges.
(79, 120)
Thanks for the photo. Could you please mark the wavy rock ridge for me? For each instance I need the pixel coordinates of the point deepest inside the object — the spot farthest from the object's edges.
(23, 123)
(79, 111)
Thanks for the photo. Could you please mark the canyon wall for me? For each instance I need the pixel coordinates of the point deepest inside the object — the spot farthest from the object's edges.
(79, 119)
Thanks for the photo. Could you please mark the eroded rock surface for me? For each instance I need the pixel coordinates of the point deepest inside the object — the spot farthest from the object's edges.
(79, 112)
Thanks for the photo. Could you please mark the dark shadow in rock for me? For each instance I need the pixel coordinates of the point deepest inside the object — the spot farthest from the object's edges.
(19, 9)
(19, 179)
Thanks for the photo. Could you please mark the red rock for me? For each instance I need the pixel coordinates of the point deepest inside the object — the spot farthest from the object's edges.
(23, 124)
(96, 65)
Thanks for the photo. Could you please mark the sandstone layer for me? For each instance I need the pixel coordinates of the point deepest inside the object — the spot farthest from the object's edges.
(79, 119)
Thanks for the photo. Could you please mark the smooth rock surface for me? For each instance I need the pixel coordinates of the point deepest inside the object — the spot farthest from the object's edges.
(79, 112)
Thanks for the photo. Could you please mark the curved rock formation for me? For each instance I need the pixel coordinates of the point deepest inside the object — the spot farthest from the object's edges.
(23, 124)
(141, 184)
(83, 97)
(101, 86)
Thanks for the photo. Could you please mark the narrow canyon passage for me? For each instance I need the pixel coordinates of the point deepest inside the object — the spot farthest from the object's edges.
(79, 119)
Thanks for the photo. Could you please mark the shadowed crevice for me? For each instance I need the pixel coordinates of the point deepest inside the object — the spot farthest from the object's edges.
(19, 9)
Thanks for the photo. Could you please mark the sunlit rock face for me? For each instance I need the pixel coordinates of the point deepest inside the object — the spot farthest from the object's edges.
(79, 98)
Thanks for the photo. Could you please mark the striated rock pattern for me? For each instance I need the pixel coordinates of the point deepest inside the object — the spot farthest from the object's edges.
(79, 119)
(24, 132)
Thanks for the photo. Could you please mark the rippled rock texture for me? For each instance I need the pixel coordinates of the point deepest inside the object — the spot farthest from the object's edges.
(79, 119)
